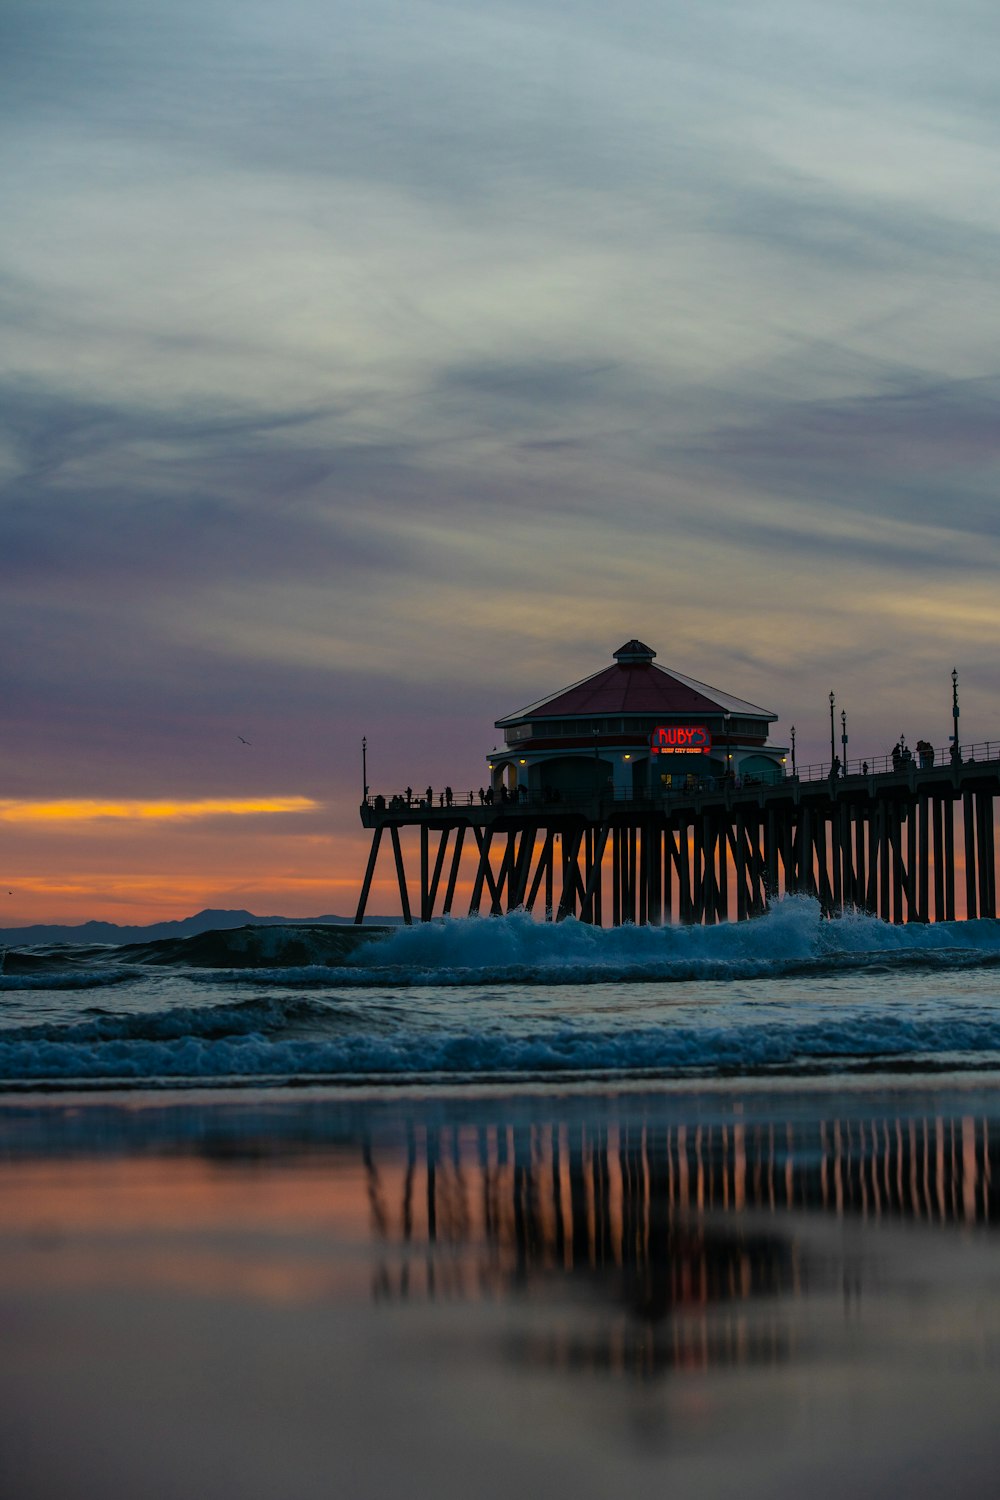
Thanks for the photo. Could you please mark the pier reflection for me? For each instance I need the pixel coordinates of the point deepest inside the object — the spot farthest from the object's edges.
(477, 1291)
(685, 1242)
(634, 1234)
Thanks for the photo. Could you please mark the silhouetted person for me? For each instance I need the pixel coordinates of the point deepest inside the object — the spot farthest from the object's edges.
(835, 768)
(409, 796)
(448, 795)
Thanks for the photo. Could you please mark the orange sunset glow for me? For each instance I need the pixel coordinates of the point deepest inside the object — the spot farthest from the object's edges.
(426, 442)
(89, 810)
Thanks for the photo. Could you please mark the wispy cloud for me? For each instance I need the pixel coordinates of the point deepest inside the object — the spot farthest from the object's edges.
(91, 810)
(374, 369)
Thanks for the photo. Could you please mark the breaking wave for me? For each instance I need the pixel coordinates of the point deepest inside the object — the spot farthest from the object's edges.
(638, 1053)
(283, 1040)
(793, 937)
(500, 998)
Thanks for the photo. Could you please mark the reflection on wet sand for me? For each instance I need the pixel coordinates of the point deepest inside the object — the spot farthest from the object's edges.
(691, 1234)
(283, 1294)
(644, 1233)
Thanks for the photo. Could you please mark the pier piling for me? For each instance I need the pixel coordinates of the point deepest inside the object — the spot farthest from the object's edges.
(895, 845)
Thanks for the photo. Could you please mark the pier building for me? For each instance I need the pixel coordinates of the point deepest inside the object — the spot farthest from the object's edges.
(633, 729)
(642, 795)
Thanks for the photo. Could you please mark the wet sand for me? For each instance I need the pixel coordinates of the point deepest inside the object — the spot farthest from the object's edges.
(304, 1294)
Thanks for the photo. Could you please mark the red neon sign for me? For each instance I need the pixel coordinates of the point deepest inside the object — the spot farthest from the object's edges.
(680, 739)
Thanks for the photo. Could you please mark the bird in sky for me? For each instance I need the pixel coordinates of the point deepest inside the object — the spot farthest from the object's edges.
(242, 740)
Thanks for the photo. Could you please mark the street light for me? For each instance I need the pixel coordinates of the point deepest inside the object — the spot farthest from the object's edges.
(833, 743)
(956, 750)
(843, 740)
(794, 772)
(364, 766)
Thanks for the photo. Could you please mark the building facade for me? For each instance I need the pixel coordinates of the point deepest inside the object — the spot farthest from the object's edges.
(633, 730)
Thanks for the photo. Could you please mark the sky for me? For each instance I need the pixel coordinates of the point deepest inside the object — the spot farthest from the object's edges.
(375, 369)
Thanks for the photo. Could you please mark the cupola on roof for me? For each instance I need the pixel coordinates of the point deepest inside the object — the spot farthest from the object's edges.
(636, 685)
(634, 651)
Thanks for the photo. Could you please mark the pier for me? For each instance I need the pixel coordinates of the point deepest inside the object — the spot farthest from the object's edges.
(581, 821)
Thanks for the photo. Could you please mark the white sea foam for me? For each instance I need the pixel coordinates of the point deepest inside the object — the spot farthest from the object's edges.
(654, 1051)
(792, 934)
(517, 948)
(262, 1040)
(480, 998)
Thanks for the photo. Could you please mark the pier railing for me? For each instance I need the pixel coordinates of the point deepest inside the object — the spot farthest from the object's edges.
(413, 803)
(893, 763)
(912, 838)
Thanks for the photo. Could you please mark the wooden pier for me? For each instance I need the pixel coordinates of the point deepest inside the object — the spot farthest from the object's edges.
(907, 845)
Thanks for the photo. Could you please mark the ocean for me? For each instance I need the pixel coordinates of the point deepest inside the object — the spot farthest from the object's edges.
(492, 1203)
(507, 999)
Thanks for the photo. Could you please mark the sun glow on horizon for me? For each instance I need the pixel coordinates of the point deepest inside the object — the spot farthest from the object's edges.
(92, 809)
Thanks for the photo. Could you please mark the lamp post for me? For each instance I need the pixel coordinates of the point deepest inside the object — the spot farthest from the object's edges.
(364, 766)
(729, 749)
(956, 751)
(833, 742)
(794, 771)
(843, 741)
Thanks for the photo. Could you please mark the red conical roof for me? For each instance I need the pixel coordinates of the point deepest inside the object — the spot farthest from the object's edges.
(636, 685)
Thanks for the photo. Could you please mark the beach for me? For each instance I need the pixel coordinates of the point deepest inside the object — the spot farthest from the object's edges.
(709, 1290)
(493, 1206)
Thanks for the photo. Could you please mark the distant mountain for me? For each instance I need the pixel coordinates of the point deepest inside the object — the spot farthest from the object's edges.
(203, 921)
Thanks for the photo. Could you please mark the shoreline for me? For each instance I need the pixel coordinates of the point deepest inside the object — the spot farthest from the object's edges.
(394, 1089)
(705, 1291)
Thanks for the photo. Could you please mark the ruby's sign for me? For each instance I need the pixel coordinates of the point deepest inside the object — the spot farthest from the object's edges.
(680, 739)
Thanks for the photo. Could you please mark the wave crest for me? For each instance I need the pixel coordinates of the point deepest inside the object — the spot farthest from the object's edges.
(665, 1052)
(792, 935)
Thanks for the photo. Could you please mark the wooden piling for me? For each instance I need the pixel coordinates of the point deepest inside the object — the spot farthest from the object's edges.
(885, 844)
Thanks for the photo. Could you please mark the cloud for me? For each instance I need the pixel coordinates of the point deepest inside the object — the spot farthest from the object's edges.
(373, 369)
(91, 810)
(916, 460)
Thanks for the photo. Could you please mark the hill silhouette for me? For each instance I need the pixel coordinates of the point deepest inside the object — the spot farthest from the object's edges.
(209, 920)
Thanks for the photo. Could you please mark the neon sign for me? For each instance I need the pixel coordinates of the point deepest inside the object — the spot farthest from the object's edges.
(680, 739)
